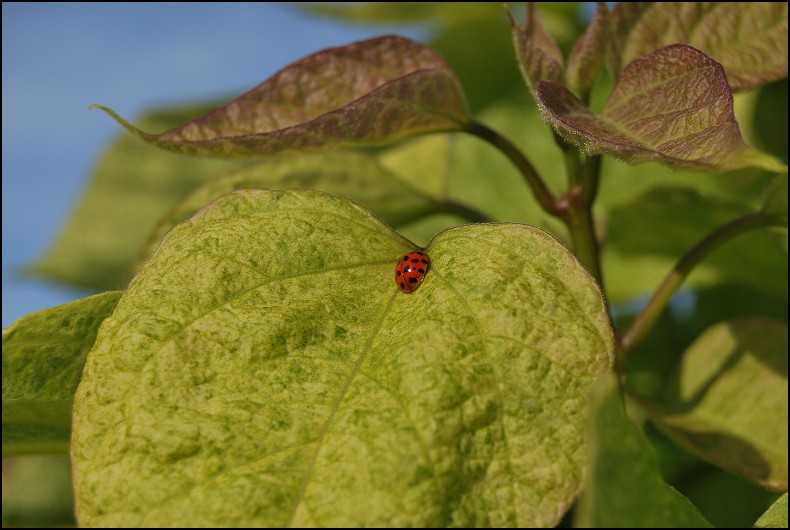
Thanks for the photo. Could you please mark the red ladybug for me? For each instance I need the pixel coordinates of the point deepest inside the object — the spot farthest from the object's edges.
(411, 271)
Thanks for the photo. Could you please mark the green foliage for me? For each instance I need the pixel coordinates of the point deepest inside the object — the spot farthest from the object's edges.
(261, 368)
(43, 356)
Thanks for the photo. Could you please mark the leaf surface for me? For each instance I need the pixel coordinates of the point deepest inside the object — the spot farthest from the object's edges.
(775, 516)
(673, 106)
(43, 356)
(729, 401)
(749, 39)
(374, 91)
(625, 488)
(264, 369)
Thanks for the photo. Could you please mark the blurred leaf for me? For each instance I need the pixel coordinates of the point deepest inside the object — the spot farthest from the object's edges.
(374, 91)
(264, 369)
(726, 500)
(647, 235)
(43, 355)
(770, 119)
(672, 106)
(37, 492)
(625, 488)
(538, 55)
(587, 56)
(749, 39)
(775, 200)
(356, 176)
(132, 187)
(728, 404)
(775, 516)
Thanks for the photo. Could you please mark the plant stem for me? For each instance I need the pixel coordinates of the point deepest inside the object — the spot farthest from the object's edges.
(547, 201)
(646, 319)
(462, 210)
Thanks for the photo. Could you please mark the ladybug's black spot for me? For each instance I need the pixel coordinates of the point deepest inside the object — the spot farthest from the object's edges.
(407, 268)
(418, 252)
(415, 260)
(412, 280)
(406, 258)
(425, 261)
(421, 271)
(402, 286)
(397, 273)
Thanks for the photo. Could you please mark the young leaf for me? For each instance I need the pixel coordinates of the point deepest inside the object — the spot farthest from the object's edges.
(749, 39)
(537, 53)
(775, 516)
(672, 106)
(588, 53)
(729, 402)
(375, 91)
(263, 369)
(43, 356)
(775, 200)
(354, 175)
(625, 488)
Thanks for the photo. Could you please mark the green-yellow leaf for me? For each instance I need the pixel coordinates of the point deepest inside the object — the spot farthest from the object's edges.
(775, 516)
(749, 39)
(263, 369)
(673, 106)
(625, 488)
(374, 91)
(538, 55)
(43, 356)
(729, 401)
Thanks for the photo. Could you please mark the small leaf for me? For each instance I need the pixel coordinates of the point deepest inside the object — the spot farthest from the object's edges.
(374, 91)
(673, 106)
(775, 200)
(749, 39)
(625, 488)
(354, 175)
(588, 53)
(43, 355)
(263, 369)
(729, 402)
(537, 53)
(775, 516)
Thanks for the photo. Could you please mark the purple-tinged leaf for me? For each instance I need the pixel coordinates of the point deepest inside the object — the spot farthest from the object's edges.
(374, 91)
(588, 53)
(538, 55)
(673, 106)
(748, 38)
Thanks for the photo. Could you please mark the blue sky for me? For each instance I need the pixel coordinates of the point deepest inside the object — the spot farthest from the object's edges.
(60, 58)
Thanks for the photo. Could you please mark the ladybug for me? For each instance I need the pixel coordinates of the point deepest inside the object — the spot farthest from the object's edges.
(411, 271)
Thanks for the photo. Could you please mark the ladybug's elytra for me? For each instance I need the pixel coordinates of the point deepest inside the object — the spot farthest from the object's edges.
(411, 271)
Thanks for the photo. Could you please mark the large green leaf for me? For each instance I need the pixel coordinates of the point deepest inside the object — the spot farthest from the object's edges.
(775, 200)
(775, 516)
(43, 356)
(132, 187)
(375, 91)
(264, 369)
(729, 400)
(748, 38)
(673, 106)
(625, 488)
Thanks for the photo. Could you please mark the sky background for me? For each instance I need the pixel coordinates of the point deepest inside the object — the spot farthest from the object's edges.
(60, 58)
